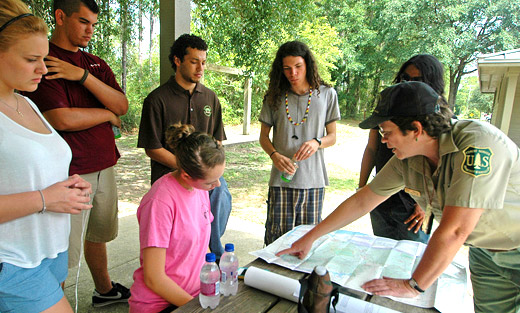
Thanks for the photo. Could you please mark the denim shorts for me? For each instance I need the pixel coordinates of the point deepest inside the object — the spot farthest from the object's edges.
(35, 289)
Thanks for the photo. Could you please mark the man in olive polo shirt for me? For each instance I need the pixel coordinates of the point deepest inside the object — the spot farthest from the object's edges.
(184, 99)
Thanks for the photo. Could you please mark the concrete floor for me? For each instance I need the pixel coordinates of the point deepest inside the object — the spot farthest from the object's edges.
(123, 252)
(123, 255)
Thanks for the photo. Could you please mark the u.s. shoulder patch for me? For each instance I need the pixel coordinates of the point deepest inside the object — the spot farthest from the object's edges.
(477, 161)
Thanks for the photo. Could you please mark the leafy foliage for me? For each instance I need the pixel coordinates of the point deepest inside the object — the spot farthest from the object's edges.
(471, 103)
(246, 35)
(359, 44)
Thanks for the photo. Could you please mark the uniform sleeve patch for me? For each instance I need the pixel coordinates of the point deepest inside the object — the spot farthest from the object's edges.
(477, 161)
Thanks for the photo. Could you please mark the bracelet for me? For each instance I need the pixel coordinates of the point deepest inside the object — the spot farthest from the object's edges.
(413, 283)
(271, 154)
(84, 78)
(43, 201)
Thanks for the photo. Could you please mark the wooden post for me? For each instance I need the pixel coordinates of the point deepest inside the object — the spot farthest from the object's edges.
(247, 91)
(175, 18)
(509, 102)
(247, 105)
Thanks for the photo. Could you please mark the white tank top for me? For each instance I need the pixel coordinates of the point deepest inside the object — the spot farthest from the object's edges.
(32, 161)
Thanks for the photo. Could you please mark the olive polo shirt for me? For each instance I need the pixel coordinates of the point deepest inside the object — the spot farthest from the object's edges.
(170, 104)
(479, 167)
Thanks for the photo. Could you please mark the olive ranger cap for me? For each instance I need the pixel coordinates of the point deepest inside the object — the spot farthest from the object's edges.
(403, 99)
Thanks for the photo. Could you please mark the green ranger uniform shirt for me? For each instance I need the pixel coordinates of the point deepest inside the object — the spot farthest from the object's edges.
(479, 167)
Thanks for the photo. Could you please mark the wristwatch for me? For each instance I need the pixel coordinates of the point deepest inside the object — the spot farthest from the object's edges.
(318, 140)
(414, 285)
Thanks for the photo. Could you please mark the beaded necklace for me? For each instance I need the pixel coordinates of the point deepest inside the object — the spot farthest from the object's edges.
(306, 110)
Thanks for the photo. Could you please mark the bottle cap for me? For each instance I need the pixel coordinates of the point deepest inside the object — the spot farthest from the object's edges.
(210, 257)
(320, 270)
(229, 247)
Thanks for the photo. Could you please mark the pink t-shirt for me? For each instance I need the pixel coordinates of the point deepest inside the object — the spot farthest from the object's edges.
(178, 220)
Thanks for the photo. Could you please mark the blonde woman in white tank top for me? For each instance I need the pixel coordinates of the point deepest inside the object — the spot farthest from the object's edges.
(36, 194)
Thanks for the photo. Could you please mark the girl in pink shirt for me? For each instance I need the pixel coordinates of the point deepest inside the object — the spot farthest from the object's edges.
(175, 223)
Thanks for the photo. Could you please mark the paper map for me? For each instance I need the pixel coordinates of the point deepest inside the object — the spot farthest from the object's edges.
(354, 258)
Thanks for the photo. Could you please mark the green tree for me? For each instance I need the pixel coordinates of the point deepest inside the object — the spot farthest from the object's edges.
(377, 36)
(360, 44)
(246, 35)
(457, 31)
(42, 9)
(471, 100)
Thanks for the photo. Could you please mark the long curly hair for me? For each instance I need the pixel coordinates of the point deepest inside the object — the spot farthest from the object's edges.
(196, 152)
(278, 83)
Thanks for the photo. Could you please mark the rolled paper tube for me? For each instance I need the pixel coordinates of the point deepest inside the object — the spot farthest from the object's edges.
(275, 284)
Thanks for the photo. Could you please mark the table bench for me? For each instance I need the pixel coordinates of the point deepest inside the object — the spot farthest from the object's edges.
(251, 300)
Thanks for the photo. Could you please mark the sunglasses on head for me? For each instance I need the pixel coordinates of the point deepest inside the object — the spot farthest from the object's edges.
(406, 77)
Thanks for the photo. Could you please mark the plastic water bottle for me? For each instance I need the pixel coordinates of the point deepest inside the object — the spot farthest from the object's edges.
(117, 132)
(228, 271)
(286, 177)
(209, 283)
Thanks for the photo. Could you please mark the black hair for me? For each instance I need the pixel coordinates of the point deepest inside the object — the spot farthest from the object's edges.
(72, 6)
(431, 69)
(196, 152)
(433, 124)
(180, 46)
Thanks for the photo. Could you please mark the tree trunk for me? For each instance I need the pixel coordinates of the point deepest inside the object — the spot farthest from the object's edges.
(139, 55)
(375, 91)
(124, 62)
(151, 37)
(452, 98)
(124, 43)
(455, 78)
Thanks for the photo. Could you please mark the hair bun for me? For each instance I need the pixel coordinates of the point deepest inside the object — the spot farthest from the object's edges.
(177, 133)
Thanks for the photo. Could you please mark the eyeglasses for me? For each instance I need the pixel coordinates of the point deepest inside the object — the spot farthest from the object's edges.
(406, 77)
(384, 134)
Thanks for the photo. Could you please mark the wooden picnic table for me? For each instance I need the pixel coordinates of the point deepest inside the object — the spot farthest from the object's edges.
(251, 300)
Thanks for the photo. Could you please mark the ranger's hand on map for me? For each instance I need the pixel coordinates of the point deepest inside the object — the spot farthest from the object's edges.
(299, 248)
(390, 287)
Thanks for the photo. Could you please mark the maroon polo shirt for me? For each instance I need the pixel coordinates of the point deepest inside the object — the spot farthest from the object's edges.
(93, 149)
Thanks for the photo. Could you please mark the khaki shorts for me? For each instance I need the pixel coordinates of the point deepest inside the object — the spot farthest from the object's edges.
(101, 221)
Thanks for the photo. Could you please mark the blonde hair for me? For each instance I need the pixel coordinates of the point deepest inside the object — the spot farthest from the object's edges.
(10, 9)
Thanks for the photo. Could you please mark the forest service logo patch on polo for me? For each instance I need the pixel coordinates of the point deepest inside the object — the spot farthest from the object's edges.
(477, 161)
(207, 110)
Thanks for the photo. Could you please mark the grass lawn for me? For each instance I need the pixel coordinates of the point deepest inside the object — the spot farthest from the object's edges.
(247, 172)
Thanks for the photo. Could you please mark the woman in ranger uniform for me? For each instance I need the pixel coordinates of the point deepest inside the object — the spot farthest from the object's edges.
(465, 173)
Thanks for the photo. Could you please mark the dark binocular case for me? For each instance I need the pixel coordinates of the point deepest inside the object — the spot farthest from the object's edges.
(317, 292)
